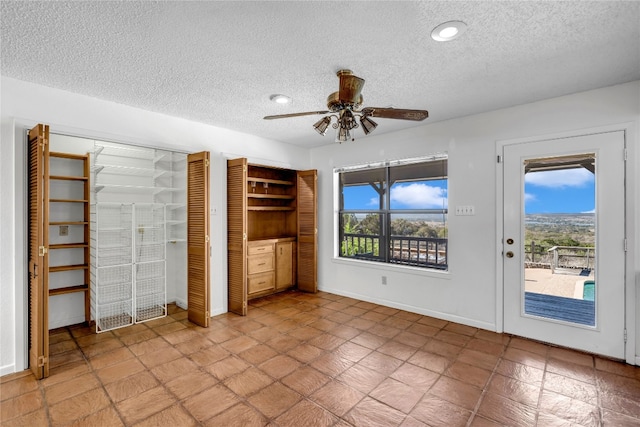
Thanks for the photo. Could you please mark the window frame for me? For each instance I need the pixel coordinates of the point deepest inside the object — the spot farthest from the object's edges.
(438, 171)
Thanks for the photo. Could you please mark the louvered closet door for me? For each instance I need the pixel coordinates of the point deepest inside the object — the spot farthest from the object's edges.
(307, 231)
(38, 256)
(198, 238)
(236, 235)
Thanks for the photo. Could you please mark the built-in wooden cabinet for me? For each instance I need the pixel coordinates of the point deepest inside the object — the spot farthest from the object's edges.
(264, 207)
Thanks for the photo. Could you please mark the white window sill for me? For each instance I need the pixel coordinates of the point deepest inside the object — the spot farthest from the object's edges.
(404, 269)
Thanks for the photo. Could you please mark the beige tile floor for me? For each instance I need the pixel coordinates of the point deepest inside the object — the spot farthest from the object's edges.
(317, 360)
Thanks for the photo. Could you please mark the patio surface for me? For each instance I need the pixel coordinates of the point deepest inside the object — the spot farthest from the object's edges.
(562, 284)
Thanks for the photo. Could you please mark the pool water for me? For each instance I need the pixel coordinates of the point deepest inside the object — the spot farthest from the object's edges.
(588, 290)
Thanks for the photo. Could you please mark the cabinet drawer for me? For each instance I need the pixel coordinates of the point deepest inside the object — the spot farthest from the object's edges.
(259, 263)
(259, 249)
(260, 282)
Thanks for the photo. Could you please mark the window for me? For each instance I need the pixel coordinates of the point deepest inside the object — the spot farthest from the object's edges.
(395, 212)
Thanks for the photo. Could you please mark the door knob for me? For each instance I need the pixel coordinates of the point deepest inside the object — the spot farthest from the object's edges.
(509, 254)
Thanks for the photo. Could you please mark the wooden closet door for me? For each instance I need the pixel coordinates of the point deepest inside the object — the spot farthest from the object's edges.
(38, 251)
(198, 249)
(307, 231)
(237, 235)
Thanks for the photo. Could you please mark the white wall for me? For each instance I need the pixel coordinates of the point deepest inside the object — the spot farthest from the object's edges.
(24, 105)
(468, 293)
(471, 292)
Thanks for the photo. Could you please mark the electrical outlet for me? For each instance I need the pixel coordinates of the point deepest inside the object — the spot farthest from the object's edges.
(384, 280)
(465, 210)
(64, 230)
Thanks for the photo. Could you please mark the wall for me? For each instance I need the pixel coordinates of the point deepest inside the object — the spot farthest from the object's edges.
(471, 292)
(468, 293)
(24, 104)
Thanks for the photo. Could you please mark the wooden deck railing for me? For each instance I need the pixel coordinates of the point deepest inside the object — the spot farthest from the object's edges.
(575, 257)
(408, 250)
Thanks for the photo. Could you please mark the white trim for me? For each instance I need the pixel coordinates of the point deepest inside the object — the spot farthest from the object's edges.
(20, 235)
(413, 309)
(396, 268)
(499, 235)
(182, 303)
(8, 369)
(66, 321)
(391, 163)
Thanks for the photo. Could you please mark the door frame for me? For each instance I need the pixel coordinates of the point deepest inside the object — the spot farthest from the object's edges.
(630, 232)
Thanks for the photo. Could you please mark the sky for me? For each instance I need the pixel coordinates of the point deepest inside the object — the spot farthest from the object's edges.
(414, 195)
(561, 191)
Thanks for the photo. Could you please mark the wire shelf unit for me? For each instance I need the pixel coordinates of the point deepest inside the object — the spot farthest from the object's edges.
(130, 278)
(138, 221)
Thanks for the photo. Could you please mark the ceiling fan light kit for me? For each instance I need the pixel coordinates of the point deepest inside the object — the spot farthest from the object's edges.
(322, 125)
(346, 105)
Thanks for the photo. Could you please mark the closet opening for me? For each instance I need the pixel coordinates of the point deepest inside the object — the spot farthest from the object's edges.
(112, 229)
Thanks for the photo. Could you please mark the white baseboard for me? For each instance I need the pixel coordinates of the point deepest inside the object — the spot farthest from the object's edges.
(68, 321)
(216, 311)
(413, 309)
(182, 303)
(7, 369)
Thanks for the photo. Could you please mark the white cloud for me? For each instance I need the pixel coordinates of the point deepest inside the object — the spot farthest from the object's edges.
(529, 197)
(589, 212)
(560, 178)
(417, 196)
(374, 202)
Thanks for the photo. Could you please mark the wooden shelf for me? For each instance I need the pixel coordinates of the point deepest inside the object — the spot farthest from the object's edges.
(68, 245)
(67, 201)
(270, 196)
(270, 208)
(68, 290)
(68, 155)
(68, 178)
(269, 181)
(65, 168)
(68, 268)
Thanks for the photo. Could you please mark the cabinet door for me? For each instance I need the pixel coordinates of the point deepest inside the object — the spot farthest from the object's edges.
(236, 235)
(307, 231)
(284, 265)
(38, 256)
(198, 238)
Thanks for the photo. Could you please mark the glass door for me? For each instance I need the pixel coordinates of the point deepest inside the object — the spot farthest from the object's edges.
(563, 242)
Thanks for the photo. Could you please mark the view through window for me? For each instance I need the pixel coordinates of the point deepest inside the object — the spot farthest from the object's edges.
(395, 212)
(559, 233)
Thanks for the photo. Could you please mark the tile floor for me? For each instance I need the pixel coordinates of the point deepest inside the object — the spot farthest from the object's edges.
(317, 360)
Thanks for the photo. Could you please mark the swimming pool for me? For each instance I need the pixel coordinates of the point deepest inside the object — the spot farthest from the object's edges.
(589, 290)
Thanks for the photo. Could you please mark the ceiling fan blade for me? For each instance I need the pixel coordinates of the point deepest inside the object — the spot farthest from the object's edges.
(284, 116)
(395, 113)
(350, 88)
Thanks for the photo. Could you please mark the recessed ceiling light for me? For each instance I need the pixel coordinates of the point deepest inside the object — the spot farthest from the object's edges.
(280, 99)
(448, 31)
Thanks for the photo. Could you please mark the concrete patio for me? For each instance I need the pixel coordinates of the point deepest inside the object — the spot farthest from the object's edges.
(563, 283)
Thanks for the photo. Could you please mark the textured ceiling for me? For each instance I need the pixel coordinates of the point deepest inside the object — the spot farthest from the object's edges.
(218, 62)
